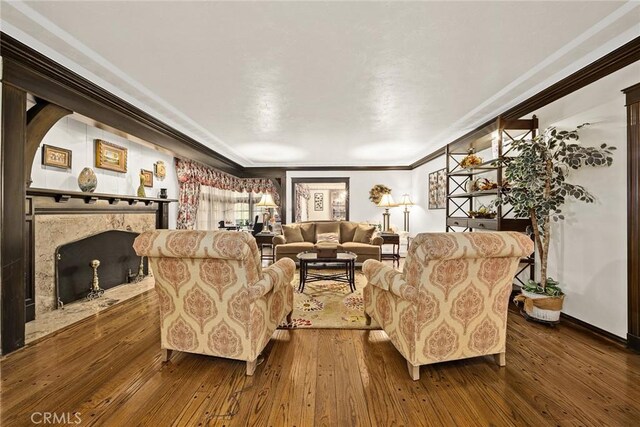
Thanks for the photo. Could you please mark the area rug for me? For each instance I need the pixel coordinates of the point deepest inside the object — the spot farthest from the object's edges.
(329, 304)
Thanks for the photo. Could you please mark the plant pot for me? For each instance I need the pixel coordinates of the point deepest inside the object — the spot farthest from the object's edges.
(542, 307)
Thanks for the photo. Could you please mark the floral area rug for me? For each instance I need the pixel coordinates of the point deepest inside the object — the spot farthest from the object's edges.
(329, 304)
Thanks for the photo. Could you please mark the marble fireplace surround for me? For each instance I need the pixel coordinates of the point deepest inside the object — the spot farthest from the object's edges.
(54, 230)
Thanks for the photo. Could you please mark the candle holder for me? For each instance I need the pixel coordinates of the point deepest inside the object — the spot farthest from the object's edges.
(140, 276)
(95, 291)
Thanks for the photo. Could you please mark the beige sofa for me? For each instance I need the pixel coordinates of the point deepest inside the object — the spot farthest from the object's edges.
(351, 236)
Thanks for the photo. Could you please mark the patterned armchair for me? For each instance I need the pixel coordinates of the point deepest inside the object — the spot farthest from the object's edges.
(214, 297)
(451, 300)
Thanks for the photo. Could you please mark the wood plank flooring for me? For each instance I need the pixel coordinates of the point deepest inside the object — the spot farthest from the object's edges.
(107, 368)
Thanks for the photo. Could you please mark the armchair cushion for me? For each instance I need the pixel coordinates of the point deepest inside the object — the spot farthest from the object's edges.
(364, 233)
(292, 234)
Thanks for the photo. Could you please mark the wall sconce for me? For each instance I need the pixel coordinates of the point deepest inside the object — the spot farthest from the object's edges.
(266, 202)
(386, 202)
(406, 202)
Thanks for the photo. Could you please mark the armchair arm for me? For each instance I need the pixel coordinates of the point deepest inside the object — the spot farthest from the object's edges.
(387, 278)
(276, 275)
(377, 241)
(278, 240)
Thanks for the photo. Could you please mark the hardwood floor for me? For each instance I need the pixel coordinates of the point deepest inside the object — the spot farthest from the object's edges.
(108, 369)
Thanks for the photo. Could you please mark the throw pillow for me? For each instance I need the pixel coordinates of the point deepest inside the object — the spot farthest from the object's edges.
(328, 237)
(347, 231)
(308, 230)
(292, 234)
(364, 233)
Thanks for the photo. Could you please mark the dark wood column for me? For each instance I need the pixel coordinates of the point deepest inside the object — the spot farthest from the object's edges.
(12, 217)
(633, 213)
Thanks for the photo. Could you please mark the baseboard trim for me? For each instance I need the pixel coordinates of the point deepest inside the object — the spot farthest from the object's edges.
(590, 327)
(633, 342)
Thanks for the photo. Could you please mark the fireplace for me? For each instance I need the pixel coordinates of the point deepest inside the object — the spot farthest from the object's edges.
(118, 263)
(57, 218)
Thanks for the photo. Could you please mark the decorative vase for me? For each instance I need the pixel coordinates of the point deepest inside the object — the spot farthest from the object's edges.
(87, 180)
(472, 185)
(163, 193)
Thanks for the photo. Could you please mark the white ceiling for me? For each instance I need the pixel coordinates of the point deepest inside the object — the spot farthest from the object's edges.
(323, 83)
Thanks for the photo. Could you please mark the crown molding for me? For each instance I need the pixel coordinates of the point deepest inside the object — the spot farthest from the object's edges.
(27, 69)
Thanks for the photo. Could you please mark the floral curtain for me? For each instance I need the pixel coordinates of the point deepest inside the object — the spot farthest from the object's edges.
(302, 192)
(192, 175)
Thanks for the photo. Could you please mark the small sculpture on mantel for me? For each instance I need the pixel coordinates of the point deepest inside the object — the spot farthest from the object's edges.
(141, 192)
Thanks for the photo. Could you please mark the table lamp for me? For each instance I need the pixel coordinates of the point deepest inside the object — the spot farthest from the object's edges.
(406, 202)
(386, 202)
(266, 202)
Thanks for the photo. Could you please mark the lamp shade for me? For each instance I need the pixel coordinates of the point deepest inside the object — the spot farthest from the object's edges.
(386, 201)
(406, 200)
(266, 201)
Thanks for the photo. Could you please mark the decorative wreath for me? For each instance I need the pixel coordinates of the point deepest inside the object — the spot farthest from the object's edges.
(376, 193)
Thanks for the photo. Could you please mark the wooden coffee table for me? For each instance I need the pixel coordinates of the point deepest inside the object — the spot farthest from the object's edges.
(309, 259)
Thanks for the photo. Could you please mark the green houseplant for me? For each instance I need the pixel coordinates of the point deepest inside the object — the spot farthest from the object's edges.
(538, 190)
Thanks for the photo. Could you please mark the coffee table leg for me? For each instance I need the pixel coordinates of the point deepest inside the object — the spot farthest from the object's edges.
(301, 284)
(352, 276)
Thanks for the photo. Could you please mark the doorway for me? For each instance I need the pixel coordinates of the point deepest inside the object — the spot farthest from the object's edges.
(320, 199)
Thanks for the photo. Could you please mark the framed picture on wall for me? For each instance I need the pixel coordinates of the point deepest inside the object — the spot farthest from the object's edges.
(110, 156)
(148, 177)
(318, 201)
(437, 189)
(56, 157)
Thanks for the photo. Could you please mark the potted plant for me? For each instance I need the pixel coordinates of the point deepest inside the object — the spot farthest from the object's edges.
(538, 189)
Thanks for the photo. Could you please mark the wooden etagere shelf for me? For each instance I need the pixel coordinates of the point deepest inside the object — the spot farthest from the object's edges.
(494, 142)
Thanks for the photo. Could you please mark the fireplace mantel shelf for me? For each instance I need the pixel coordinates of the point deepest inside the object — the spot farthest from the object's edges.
(62, 196)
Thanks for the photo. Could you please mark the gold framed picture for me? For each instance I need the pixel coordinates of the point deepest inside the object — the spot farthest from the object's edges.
(148, 177)
(56, 157)
(110, 156)
(160, 169)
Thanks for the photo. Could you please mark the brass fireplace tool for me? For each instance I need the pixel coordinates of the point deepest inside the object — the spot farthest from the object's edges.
(96, 291)
(136, 278)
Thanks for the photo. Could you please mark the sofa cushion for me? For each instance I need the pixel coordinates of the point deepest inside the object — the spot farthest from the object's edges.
(294, 248)
(327, 227)
(292, 233)
(328, 238)
(308, 230)
(347, 231)
(360, 248)
(364, 233)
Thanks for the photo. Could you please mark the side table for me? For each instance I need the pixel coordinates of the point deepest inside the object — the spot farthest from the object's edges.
(391, 239)
(265, 240)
